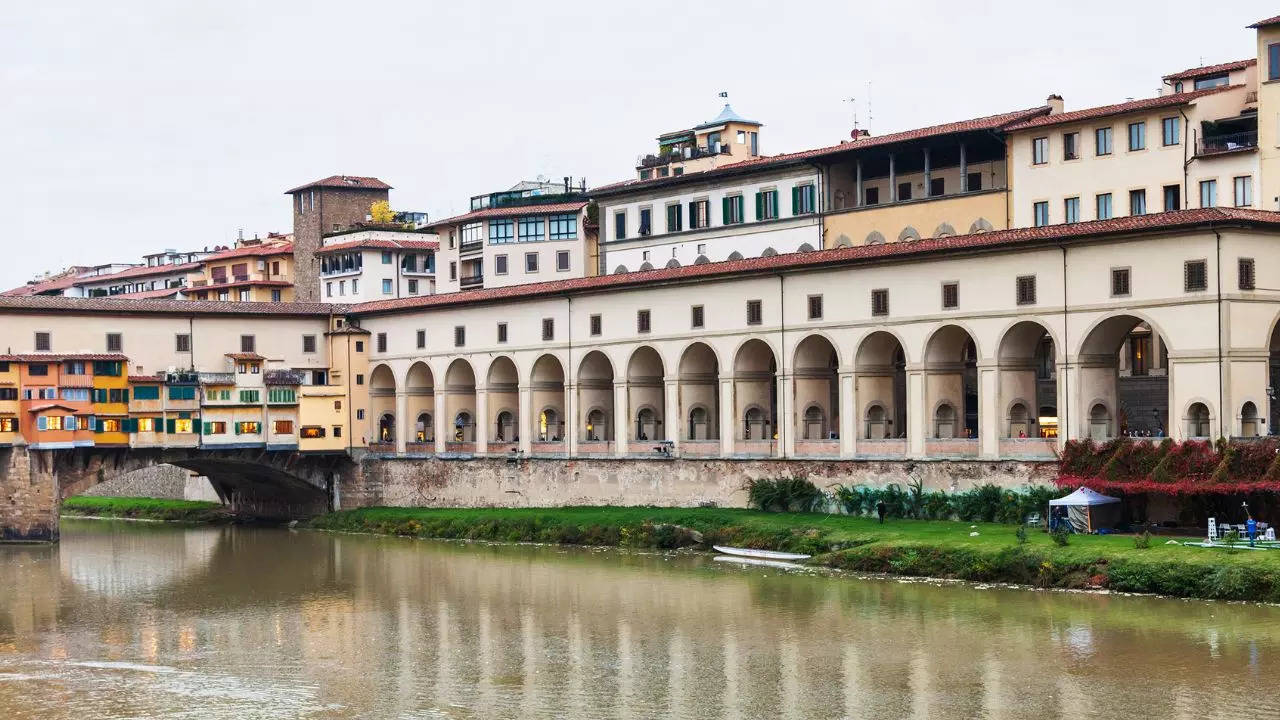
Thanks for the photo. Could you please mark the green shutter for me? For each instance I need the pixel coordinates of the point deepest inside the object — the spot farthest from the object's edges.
(130, 425)
(124, 395)
(759, 206)
(724, 211)
(795, 200)
(237, 426)
(170, 425)
(206, 428)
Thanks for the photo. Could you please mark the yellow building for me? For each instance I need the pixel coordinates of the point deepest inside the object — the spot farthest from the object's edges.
(145, 424)
(9, 430)
(256, 271)
(110, 399)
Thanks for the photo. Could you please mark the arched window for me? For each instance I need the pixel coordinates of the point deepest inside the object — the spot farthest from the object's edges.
(814, 423)
(387, 428)
(805, 247)
(1019, 427)
(1198, 420)
(875, 238)
(908, 233)
(672, 264)
(549, 426)
(755, 425)
(597, 429)
(944, 422)
(944, 230)
(646, 424)
(843, 241)
(979, 225)
(735, 255)
(768, 252)
(1099, 422)
(620, 270)
(646, 266)
(464, 428)
(424, 429)
(877, 428)
(1249, 420)
(701, 260)
(506, 427)
(699, 425)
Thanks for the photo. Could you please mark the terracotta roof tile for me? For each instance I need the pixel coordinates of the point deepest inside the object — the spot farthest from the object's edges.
(1171, 100)
(139, 271)
(245, 356)
(1212, 69)
(149, 294)
(838, 256)
(1264, 23)
(57, 357)
(513, 211)
(238, 283)
(252, 250)
(56, 303)
(381, 244)
(146, 378)
(356, 182)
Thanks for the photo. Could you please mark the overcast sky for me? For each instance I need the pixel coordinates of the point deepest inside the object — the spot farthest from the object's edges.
(136, 125)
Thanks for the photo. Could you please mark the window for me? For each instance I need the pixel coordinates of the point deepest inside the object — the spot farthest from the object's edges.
(595, 324)
(1039, 150)
(184, 392)
(755, 312)
(386, 286)
(646, 221)
(1137, 202)
(531, 229)
(531, 262)
(459, 336)
(1103, 206)
(359, 346)
(8, 424)
(247, 344)
(244, 295)
(1245, 275)
(904, 191)
(1212, 81)
(548, 329)
(950, 295)
(871, 196)
(1172, 199)
(310, 432)
(146, 425)
(501, 232)
(1102, 141)
(1071, 210)
(767, 205)
(381, 340)
(1071, 146)
(38, 369)
(146, 392)
(413, 286)
(563, 227)
(803, 200)
(731, 207)
(1171, 131)
(702, 248)
(642, 321)
(620, 226)
(1120, 282)
(282, 395)
(472, 233)
(1137, 136)
(1195, 275)
(815, 307)
(337, 431)
(182, 342)
(880, 302)
(973, 181)
(421, 339)
(359, 378)
(1026, 289)
(502, 332)
(360, 414)
(386, 257)
(699, 214)
(453, 271)
(308, 343)
(562, 260)
(1243, 191)
(937, 186)
(248, 427)
(675, 218)
(1208, 193)
(115, 343)
(44, 341)
(249, 396)
(1041, 212)
(696, 317)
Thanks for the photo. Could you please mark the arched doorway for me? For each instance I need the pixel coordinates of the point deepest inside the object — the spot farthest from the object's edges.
(464, 427)
(597, 427)
(595, 401)
(645, 397)
(880, 388)
(1123, 365)
(547, 393)
(699, 425)
(420, 388)
(951, 391)
(755, 397)
(424, 428)
(1250, 423)
(386, 429)
(382, 408)
(1019, 423)
(460, 403)
(815, 423)
(1197, 421)
(944, 421)
(817, 390)
(700, 398)
(1028, 381)
(502, 401)
(504, 429)
(1099, 423)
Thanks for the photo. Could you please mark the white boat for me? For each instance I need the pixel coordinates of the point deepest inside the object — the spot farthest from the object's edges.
(760, 554)
(756, 562)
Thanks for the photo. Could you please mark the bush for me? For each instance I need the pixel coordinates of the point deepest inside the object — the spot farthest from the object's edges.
(1061, 536)
(794, 494)
(1143, 541)
(1021, 534)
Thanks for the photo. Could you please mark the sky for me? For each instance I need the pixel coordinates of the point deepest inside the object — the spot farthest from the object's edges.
(137, 125)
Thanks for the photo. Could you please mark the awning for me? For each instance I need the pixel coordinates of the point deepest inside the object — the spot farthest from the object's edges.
(1085, 496)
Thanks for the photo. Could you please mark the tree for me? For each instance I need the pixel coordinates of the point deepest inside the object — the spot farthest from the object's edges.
(381, 212)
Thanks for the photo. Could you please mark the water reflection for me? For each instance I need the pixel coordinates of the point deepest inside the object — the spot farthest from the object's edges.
(126, 620)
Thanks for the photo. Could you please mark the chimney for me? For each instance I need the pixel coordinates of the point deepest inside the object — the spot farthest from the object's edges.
(1054, 102)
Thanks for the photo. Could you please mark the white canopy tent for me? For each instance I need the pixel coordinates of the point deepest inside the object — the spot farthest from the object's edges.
(1087, 510)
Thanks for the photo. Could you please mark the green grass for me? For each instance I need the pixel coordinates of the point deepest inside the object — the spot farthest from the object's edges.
(905, 547)
(193, 511)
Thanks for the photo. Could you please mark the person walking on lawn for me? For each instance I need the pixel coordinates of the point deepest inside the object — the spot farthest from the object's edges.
(880, 511)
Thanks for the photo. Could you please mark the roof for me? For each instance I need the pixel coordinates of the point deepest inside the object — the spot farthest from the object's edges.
(145, 294)
(139, 271)
(251, 251)
(1085, 496)
(819, 259)
(1264, 23)
(50, 406)
(146, 379)
(726, 115)
(58, 357)
(1171, 100)
(380, 244)
(236, 284)
(33, 288)
(1212, 69)
(989, 122)
(513, 211)
(346, 182)
(245, 356)
(58, 303)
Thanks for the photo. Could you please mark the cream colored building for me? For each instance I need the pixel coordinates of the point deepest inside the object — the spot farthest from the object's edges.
(374, 264)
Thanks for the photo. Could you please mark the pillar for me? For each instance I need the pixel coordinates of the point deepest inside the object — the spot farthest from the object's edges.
(893, 179)
(673, 414)
(482, 419)
(964, 170)
(621, 423)
(29, 497)
(786, 446)
(990, 414)
(728, 422)
(441, 405)
(402, 421)
(928, 175)
(917, 414)
(526, 419)
(573, 424)
(857, 184)
(848, 415)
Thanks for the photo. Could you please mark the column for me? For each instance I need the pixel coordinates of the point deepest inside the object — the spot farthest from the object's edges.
(728, 422)
(893, 179)
(786, 445)
(928, 175)
(990, 414)
(482, 419)
(402, 410)
(526, 419)
(438, 417)
(572, 423)
(917, 414)
(673, 415)
(964, 170)
(1072, 422)
(857, 183)
(848, 416)
(621, 419)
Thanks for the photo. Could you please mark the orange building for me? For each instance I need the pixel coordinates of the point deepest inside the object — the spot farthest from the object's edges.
(57, 393)
(256, 271)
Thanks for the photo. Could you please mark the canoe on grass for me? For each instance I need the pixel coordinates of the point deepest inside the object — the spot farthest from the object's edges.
(761, 554)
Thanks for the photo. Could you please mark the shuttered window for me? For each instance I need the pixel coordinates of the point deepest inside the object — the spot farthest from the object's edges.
(1120, 285)
(696, 317)
(1195, 275)
(642, 321)
(1026, 290)
(879, 302)
(1246, 275)
(951, 295)
(595, 325)
(815, 307)
(755, 312)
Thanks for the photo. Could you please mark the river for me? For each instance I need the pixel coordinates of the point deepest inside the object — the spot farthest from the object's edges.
(134, 620)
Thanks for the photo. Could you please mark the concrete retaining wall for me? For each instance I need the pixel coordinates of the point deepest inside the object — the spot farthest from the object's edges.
(417, 482)
(168, 482)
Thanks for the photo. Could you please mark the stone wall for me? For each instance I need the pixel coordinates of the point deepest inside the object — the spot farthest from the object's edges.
(167, 482)
(409, 482)
(28, 496)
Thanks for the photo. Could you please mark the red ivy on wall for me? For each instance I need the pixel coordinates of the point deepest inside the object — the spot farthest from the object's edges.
(1188, 468)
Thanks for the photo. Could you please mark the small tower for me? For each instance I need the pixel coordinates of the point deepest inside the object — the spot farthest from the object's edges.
(323, 206)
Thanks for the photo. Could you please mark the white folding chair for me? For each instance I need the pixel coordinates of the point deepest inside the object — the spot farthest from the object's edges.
(1270, 535)
(1213, 529)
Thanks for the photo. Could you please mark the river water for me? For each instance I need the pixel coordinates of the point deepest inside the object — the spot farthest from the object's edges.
(132, 620)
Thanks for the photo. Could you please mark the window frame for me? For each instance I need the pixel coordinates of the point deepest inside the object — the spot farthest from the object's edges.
(880, 302)
(1040, 150)
(1202, 268)
(1071, 146)
(1125, 272)
(814, 306)
(1246, 274)
(755, 312)
(697, 317)
(644, 322)
(595, 325)
(1100, 133)
(1141, 127)
(548, 329)
(952, 302)
(1165, 131)
(1025, 290)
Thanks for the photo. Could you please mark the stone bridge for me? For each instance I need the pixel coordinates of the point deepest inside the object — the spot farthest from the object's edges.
(274, 484)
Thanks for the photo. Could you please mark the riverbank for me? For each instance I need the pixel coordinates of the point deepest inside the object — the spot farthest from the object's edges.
(141, 508)
(924, 548)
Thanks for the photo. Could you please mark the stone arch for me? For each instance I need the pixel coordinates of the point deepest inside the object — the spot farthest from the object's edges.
(382, 404)
(951, 377)
(424, 429)
(596, 426)
(944, 420)
(594, 384)
(645, 389)
(944, 230)
(1250, 425)
(814, 423)
(1019, 423)
(804, 247)
(1026, 355)
(908, 233)
(980, 225)
(699, 375)
(620, 270)
(874, 238)
(460, 401)
(755, 385)
(672, 264)
(1137, 404)
(386, 428)
(698, 424)
(546, 382)
(701, 260)
(768, 252)
(876, 422)
(844, 241)
(1198, 420)
(735, 255)
(420, 388)
(815, 369)
(644, 266)
(880, 380)
(1099, 420)
(502, 398)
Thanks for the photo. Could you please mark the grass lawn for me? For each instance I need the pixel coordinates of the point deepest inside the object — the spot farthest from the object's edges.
(145, 508)
(907, 547)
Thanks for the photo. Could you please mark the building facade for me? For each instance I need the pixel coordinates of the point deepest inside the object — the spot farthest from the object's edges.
(327, 205)
(374, 264)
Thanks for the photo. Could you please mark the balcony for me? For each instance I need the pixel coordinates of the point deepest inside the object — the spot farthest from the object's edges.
(1234, 142)
(217, 378)
(283, 377)
(468, 281)
(470, 246)
(678, 155)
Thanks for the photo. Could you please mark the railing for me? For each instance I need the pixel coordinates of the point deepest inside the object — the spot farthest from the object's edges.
(689, 153)
(217, 378)
(182, 378)
(470, 280)
(241, 278)
(199, 283)
(1227, 143)
(471, 246)
(282, 377)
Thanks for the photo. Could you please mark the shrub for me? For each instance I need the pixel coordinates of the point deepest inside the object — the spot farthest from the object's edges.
(1061, 536)
(1021, 534)
(794, 494)
(1143, 541)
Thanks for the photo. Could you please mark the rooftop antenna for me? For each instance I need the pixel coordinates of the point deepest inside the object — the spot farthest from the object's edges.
(871, 118)
(853, 103)
(724, 94)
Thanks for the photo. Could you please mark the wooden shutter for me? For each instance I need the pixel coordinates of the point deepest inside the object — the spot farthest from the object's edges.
(724, 211)
(170, 425)
(795, 200)
(759, 206)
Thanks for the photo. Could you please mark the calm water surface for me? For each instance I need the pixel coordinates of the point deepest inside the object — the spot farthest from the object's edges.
(136, 621)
